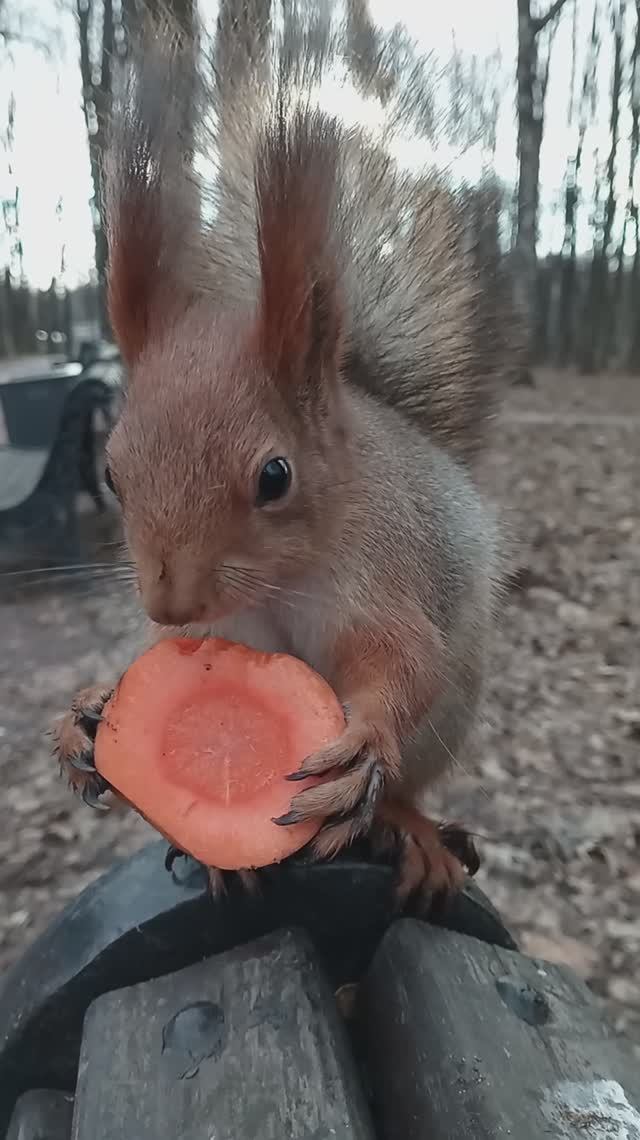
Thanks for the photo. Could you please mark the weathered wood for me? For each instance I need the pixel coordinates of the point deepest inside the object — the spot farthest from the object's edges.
(464, 1041)
(247, 1045)
(42, 1114)
(137, 922)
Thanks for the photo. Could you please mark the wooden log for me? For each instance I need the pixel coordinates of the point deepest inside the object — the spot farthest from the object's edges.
(42, 1114)
(465, 1041)
(247, 1045)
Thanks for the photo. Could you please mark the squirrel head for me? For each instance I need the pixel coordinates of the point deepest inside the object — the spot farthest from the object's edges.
(228, 470)
(233, 443)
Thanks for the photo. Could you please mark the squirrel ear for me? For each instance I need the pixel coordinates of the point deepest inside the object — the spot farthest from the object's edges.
(300, 317)
(300, 329)
(134, 253)
(304, 340)
(325, 327)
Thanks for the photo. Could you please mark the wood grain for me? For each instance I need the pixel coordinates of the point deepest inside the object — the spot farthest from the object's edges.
(465, 1041)
(247, 1045)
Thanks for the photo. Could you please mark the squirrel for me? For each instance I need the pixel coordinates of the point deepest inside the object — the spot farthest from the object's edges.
(313, 339)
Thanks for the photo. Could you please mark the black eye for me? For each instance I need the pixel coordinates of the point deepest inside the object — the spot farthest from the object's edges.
(108, 478)
(275, 480)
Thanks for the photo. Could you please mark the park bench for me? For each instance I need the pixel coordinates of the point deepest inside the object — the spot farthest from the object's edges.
(150, 1012)
(52, 427)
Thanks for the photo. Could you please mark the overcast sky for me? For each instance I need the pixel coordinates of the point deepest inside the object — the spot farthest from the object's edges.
(50, 162)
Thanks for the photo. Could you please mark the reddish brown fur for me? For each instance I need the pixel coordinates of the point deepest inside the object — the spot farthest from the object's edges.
(329, 314)
(135, 250)
(296, 171)
(428, 864)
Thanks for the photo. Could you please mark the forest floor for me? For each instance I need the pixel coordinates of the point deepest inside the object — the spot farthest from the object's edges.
(552, 785)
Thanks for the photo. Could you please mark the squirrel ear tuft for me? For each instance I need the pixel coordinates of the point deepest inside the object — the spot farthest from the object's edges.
(300, 317)
(134, 255)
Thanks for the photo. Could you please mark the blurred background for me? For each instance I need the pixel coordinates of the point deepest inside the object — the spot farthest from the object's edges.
(543, 96)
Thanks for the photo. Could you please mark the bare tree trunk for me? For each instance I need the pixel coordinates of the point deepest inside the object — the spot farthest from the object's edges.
(7, 344)
(590, 329)
(529, 140)
(565, 336)
(633, 358)
(568, 300)
(632, 353)
(97, 104)
(598, 324)
(606, 300)
(531, 93)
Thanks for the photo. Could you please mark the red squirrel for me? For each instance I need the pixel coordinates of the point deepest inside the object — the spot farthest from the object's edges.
(313, 344)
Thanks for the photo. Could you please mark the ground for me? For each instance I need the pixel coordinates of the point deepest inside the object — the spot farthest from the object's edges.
(552, 786)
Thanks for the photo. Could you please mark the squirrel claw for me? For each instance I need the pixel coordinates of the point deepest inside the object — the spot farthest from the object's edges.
(73, 738)
(288, 818)
(347, 804)
(173, 853)
(460, 843)
(82, 762)
(434, 857)
(89, 720)
(91, 793)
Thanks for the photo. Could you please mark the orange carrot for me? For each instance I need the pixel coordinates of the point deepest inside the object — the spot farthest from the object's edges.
(199, 736)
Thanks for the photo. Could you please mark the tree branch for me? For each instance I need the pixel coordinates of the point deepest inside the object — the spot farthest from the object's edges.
(540, 22)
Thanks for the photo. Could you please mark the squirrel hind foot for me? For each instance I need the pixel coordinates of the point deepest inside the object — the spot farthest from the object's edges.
(435, 859)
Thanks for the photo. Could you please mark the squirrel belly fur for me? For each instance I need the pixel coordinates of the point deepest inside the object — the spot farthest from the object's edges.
(314, 339)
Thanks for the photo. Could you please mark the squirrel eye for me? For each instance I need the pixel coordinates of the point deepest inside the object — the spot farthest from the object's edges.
(108, 478)
(275, 480)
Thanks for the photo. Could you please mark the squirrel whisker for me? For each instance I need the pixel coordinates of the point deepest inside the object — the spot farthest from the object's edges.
(254, 578)
(454, 759)
(255, 589)
(80, 567)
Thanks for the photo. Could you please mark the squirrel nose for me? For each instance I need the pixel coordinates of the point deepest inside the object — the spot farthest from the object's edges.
(168, 612)
(170, 602)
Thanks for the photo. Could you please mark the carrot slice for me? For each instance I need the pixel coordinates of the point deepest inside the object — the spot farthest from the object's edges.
(198, 737)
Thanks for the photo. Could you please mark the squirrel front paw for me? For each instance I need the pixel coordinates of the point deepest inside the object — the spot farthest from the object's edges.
(73, 744)
(359, 764)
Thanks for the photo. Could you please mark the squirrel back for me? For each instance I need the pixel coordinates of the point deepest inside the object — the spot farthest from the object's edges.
(225, 179)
